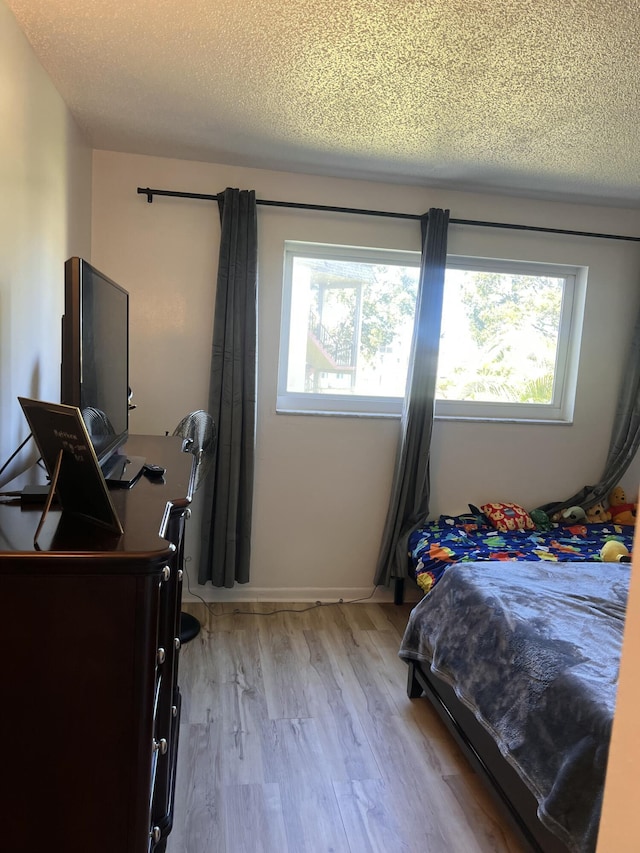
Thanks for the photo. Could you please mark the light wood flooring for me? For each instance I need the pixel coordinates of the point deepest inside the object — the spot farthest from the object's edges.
(297, 736)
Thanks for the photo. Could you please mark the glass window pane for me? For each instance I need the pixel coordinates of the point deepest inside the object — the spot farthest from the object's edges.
(509, 337)
(499, 340)
(351, 326)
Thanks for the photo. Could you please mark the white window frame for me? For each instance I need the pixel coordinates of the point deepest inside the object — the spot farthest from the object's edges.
(291, 402)
(560, 410)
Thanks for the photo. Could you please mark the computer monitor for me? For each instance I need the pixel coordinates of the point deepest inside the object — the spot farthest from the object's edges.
(95, 364)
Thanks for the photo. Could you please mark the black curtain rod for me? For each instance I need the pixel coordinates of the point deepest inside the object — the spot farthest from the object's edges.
(389, 214)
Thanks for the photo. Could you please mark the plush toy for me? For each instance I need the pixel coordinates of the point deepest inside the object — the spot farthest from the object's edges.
(614, 552)
(597, 514)
(540, 519)
(570, 515)
(621, 511)
(573, 515)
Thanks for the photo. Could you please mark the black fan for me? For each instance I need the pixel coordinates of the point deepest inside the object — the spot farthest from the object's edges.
(198, 434)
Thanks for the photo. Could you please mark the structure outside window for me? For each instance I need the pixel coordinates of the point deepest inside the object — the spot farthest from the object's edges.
(508, 347)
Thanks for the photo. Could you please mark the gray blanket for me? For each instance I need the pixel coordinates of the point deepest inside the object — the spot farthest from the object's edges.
(533, 649)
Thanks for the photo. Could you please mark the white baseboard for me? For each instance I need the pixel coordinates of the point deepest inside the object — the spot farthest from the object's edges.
(245, 592)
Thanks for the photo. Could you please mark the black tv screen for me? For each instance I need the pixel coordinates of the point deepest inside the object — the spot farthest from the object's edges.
(95, 354)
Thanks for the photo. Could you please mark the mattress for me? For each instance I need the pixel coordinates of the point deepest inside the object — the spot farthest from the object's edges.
(533, 650)
(454, 539)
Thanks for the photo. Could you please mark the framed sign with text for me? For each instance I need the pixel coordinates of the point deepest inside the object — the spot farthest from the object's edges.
(71, 462)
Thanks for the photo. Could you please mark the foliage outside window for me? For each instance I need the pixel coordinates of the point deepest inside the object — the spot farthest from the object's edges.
(509, 336)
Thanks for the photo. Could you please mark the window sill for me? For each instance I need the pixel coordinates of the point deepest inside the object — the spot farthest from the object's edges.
(337, 414)
(455, 418)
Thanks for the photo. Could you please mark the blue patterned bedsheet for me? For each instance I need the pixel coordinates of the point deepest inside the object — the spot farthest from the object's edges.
(462, 539)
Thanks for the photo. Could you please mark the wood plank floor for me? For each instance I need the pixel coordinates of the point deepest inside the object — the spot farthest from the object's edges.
(297, 736)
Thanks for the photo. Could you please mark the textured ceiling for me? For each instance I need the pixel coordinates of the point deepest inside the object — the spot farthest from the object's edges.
(532, 97)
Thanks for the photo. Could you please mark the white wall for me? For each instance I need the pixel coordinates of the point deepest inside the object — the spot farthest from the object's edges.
(322, 483)
(45, 214)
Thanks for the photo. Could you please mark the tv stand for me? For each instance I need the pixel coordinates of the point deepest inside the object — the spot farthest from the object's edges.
(121, 470)
(91, 707)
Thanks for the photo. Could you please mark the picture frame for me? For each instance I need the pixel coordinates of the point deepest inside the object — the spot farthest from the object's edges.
(71, 462)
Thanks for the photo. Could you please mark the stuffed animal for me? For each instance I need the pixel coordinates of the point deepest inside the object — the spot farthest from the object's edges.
(598, 514)
(621, 511)
(541, 519)
(573, 515)
(568, 516)
(614, 552)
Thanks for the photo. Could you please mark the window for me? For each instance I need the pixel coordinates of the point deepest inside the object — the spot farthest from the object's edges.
(508, 344)
(509, 340)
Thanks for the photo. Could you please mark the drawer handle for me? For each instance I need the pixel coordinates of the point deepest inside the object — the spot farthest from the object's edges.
(176, 643)
(180, 573)
(161, 655)
(155, 834)
(166, 573)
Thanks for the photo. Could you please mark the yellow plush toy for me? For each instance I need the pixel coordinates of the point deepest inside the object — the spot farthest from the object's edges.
(621, 511)
(597, 514)
(614, 552)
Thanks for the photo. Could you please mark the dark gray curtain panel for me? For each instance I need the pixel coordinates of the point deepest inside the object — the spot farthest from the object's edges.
(625, 436)
(228, 490)
(409, 503)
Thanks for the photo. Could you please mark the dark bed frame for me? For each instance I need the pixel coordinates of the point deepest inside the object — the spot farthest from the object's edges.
(513, 798)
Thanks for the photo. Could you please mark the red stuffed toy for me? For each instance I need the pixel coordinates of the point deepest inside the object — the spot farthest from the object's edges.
(621, 511)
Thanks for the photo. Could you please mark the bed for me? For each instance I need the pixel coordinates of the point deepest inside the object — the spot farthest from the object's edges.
(473, 537)
(520, 659)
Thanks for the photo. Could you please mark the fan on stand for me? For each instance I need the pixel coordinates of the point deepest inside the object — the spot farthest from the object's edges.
(198, 434)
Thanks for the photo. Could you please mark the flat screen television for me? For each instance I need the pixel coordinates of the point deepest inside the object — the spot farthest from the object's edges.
(95, 364)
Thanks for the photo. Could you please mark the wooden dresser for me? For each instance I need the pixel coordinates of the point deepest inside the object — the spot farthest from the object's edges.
(89, 690)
